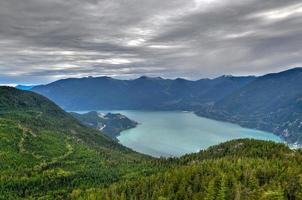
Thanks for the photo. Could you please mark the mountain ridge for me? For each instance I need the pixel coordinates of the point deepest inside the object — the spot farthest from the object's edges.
(47, 154)
(103, 93)
(270, 102)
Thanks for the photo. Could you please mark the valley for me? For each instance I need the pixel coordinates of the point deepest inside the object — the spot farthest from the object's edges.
(150, 100)
(270, 103)
(47, 153)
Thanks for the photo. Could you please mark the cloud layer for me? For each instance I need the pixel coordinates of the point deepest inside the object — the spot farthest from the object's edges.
(41, 41)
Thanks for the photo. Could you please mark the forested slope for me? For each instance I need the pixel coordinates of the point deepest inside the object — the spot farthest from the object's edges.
(272, 103)
(110, 124)
(44, 152)
(47, 154)
(239, 169)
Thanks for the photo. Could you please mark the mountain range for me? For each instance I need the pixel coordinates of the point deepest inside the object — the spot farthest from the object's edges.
(103, 93)
(271, 102)
(45, 153)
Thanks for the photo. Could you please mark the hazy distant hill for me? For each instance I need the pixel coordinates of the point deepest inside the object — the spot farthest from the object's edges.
(142, 93)
(272, 102)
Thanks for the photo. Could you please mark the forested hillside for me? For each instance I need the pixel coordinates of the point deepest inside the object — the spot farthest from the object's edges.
(110, 124)
(239, 169)
(47, 154)
(44, 152)
(272, 103)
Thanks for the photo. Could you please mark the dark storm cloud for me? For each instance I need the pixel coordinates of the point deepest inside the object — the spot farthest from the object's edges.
(41, 41)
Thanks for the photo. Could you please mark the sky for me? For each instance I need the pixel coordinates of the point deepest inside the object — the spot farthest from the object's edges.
(45, 40)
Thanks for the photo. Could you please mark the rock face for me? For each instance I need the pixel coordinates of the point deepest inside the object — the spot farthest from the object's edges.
(110, 124)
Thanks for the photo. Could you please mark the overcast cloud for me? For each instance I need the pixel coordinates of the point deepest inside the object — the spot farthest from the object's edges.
(46, 40)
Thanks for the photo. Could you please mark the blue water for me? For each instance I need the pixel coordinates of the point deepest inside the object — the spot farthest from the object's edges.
(175, 133)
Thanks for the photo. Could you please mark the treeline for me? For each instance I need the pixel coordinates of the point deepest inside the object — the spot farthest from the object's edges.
(257, 170)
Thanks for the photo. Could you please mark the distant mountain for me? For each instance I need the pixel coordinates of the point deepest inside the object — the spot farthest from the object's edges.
(103, 93)
(272, 102)
(47, 154)
(110, 124)
(25, 87)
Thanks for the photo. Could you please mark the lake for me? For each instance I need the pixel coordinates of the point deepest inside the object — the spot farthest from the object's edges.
(175, 133)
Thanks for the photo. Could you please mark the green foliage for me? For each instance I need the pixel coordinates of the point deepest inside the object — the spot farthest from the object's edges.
(232, 176)
(44, 152)
(47, 154)
(110, 124)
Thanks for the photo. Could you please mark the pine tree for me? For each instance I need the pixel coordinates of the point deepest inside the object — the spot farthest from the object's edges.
(222, 190)
(210, 195)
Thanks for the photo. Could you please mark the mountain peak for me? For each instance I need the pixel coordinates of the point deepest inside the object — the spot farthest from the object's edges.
(149, 78)
(105, 77)
(181, 79)
(290, 72)
(12, 98)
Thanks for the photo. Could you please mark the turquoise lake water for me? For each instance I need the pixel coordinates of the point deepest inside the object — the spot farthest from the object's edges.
(175, 133)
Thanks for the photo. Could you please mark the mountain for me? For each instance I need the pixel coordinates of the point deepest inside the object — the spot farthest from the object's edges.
(239, 169)
(110, 124)
(45, 153)
(24, 87)
(103, 93)
(272, 102)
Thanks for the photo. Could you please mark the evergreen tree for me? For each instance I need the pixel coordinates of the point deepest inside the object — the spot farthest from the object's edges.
(222, 190)
(210, 194)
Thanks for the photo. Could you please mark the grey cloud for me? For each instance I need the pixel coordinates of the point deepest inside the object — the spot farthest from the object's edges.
(41, 41)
